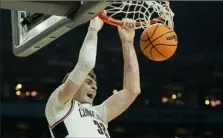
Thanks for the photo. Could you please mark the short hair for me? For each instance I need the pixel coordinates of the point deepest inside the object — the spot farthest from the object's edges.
(91, 74)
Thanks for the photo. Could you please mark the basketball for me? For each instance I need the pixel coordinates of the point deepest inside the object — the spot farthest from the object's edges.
(158, 42)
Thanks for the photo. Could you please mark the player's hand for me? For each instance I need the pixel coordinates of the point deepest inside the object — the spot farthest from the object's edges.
(96, 23)
(127, 30)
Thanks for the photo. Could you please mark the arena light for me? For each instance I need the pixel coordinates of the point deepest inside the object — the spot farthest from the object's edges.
(218, 102)
(18, 86)
(18, 93)
(34, 93)
(164, 99)
(174, 96)
(207, 102)
(179, 94)
(27, 93)
(213, 103)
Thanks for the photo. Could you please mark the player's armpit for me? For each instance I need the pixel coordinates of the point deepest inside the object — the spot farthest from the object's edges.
(118, 103)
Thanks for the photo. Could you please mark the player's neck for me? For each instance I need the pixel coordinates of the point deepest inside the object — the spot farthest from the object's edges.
(84, 104)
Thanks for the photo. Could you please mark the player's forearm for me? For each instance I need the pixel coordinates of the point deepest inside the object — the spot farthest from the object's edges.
(87, 58)
(131, 68)
(88, 50)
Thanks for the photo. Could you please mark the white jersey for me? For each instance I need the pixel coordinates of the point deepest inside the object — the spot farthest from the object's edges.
(75, 120)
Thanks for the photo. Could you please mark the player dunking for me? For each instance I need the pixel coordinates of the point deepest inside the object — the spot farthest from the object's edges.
(69, 110)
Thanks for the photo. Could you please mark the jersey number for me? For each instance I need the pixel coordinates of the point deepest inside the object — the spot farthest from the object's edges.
(101, 128)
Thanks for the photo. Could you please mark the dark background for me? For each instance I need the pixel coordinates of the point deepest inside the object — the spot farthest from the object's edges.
(194, 74)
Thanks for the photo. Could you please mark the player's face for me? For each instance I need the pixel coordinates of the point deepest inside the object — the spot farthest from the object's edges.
(87, 91)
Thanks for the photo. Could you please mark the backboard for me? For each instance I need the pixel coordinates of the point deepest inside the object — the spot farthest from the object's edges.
(36, 24)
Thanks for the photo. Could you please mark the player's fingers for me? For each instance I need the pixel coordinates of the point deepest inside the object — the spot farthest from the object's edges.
(132, 23)
(104, 13)
(129, 23)
(124, 22)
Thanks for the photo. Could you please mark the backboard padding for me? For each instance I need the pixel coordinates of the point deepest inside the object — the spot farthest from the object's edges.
(50, 29)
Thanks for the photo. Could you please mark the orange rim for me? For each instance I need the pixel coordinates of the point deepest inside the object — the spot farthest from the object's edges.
(109, 20)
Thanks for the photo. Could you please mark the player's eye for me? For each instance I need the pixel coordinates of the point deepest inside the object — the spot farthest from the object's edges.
(89, 82)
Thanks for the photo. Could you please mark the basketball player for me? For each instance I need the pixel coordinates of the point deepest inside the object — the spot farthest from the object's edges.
(69, 110)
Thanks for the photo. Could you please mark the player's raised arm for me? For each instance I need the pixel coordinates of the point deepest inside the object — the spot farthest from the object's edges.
(85, 64)
(119, 102)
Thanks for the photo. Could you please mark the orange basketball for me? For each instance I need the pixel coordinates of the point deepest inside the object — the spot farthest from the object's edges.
(158, 42)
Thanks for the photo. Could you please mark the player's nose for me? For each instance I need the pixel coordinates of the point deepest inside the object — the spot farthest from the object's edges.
(94, 87)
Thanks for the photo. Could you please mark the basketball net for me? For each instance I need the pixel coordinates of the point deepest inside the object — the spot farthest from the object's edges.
(145, 13)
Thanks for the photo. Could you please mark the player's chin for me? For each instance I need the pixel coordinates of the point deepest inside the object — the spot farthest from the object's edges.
(88, 100)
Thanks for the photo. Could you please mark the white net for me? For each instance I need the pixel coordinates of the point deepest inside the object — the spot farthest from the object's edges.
(144, 12)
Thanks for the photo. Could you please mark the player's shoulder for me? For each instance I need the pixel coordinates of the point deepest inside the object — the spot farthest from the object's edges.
(56, 91)
(53, 108)
(53, 98)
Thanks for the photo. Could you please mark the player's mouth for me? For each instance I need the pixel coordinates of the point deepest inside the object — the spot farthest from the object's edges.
(90, 95)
